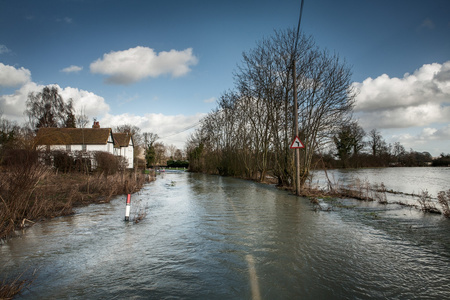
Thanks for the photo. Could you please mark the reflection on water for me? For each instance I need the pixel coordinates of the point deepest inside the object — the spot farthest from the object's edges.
(208, 237)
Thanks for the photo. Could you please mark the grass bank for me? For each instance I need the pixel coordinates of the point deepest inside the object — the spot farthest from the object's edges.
(34, 192)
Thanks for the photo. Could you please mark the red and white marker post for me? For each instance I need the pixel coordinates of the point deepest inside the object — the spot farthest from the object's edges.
(128, 208)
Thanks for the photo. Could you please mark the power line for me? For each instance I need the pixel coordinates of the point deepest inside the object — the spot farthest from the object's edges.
(298, 26)
(181, 131)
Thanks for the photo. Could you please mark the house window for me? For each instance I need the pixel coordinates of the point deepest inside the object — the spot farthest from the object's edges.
(68, 148)
(83, 148)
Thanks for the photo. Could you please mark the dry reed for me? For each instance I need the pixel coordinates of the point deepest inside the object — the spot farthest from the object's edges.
(426, 203)
(444, 200)
(12, 286)
(36, 192)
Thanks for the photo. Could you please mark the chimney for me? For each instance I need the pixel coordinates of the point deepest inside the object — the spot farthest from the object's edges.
(96, 124)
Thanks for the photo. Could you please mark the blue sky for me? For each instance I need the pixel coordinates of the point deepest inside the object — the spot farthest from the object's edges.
(181, 56)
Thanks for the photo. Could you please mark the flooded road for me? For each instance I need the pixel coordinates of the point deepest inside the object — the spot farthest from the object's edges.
(208, 237)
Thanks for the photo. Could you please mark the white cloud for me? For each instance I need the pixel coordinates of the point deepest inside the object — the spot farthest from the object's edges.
(72, 69)
(12, 77)
(13, 106)
(172, 129)
(427, 23)
(437, 134)
(210, 100)
(132, 65)
(417, 99)
(4, 49)
(433, 140)
(65, 20)
(83, 101)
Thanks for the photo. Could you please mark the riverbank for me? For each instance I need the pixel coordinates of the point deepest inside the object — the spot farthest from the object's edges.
(36, 193)
(29, 195)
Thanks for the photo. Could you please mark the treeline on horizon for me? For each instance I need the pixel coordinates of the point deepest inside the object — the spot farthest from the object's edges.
(249, 133)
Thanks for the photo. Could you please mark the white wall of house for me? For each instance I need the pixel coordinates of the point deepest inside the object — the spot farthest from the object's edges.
(126, 152)
(88, 148)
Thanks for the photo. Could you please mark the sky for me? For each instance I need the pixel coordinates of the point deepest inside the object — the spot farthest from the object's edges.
(162, 65)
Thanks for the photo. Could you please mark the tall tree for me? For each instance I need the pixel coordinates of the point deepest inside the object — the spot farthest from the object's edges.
(133, 130)
(149, 149)
(344, 145)
(251, 131)
(349, 142)
(376, 142)
(48, 109)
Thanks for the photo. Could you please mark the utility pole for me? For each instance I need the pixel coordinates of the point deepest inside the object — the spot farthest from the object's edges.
(297, 150)
(294, 78)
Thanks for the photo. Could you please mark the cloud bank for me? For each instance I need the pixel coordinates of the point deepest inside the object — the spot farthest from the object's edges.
(13, 105)
(132, 65)
(12, 77)
(416, 100)
(4, 49)
(172, 130)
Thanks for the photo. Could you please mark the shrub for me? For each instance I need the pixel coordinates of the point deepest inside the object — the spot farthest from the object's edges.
(444, 200)
(108, 164)
(62, 161)
(177, 164)
(426, 203)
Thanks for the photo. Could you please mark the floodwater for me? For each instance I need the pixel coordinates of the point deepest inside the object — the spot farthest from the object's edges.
(402, 181)
(208, 237)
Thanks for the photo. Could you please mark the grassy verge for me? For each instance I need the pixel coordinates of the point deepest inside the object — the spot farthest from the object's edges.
(29, 194)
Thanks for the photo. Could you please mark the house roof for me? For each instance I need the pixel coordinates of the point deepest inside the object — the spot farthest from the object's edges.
(73, 136)
(121, 139)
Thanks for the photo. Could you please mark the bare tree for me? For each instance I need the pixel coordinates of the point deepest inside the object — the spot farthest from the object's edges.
(149, 150)
(171, 149)
(160, 150)
(178, 155)
(133, 130)
(81, 119)
(149, 138)
(48, 109)
(376, 142)
(250, 133)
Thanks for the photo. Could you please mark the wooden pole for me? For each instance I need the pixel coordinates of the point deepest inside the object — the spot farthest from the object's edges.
(294, 75)
(297, 151)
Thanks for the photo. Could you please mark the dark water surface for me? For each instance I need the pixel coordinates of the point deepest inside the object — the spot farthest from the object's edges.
(207, 237)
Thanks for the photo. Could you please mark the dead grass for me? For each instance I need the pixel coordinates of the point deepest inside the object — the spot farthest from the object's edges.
(12, 286)
(30, 194)
(426, 203)
(444, 201)
(363, 190)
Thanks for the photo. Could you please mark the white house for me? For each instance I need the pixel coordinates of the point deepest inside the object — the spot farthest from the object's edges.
(87, 140)
(124, 146)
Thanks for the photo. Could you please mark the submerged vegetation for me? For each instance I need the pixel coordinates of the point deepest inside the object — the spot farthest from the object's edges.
(363, 190)
(13, 285)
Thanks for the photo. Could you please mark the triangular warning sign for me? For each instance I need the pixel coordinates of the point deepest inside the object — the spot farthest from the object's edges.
(297, 144)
